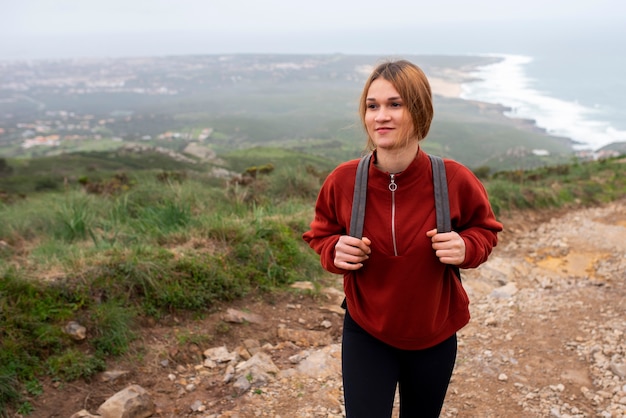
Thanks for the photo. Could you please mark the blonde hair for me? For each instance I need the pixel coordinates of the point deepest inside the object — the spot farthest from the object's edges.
(412, 84)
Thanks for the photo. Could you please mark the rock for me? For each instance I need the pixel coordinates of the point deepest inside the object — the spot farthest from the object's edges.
(197, 406)
(242, 353)
(112, 375)
(75, 330)
(337, 309)
(505, 291)
(297, 358)
(219, 354)
(304, 338)
(242, 384)
(84, 414)
(322, 363)
(618, 369)
(132, 402)
(253, 346)
(239, 317)
(303, 286)
(259, 362)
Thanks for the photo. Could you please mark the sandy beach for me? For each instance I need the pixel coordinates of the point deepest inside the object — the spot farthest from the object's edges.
(445, 88)
(448, 82)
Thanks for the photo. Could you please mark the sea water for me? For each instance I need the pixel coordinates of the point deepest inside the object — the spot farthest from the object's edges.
(575, 90)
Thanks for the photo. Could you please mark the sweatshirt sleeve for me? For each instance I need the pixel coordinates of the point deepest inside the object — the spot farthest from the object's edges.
(330, 220)
(472, 216)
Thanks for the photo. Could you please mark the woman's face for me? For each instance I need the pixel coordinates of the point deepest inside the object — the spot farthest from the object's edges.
(386, 118)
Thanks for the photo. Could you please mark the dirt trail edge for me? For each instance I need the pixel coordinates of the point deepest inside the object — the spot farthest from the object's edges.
(546, 339)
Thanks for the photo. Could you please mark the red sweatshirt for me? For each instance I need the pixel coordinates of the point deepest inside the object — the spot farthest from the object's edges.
(403, 295)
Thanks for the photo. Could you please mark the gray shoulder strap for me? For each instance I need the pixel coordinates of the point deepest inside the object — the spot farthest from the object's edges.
(442, 204)
(360, 196)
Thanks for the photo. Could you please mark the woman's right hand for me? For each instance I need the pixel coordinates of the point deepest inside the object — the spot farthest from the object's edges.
(351, 252)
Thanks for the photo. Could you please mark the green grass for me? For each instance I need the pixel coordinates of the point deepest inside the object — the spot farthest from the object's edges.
(104, 260)
(160, 243)
(576, 184)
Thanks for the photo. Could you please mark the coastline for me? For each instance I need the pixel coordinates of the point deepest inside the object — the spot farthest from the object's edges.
(507, 82)
(452, 83)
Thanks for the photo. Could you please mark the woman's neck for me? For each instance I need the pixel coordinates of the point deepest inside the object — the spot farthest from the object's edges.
(396, 160)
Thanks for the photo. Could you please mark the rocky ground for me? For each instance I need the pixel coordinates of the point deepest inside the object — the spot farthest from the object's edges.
(546, 339)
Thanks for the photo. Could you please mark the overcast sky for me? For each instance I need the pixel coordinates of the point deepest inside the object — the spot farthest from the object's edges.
(33, 28)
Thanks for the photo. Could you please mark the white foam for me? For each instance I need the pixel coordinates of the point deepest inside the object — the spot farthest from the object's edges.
(505, 82)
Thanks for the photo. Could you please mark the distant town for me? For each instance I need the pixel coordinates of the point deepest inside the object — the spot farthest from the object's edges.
(47, 104)
(53, 106)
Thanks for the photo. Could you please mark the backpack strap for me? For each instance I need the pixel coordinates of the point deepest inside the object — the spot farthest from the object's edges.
(358, 202)
(442, 202)
(360, 196)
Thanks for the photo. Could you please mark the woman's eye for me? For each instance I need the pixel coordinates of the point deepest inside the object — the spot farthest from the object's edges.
(371, 106)
(395, 104)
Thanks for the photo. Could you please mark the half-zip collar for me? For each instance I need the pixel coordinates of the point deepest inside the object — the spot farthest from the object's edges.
(392, 187)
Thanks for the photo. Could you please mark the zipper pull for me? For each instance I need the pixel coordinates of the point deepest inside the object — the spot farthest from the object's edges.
(392, 185)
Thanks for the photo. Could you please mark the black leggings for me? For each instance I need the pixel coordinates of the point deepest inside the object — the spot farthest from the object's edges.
(371, 370)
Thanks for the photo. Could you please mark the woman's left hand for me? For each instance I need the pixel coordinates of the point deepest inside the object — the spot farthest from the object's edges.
(448, 246)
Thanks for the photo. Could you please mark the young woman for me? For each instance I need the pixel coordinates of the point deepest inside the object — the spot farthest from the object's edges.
(405, 302)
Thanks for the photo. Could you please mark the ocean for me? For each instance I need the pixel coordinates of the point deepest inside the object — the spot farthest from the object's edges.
(559, 98)
(574, 88)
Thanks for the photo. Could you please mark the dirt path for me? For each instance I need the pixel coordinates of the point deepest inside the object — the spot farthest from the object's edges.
(546, 338)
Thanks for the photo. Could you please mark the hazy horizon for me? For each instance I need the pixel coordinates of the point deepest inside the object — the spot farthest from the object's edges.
(36, 29)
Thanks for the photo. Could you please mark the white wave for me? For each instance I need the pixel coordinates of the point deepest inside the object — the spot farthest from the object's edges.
(506, 83)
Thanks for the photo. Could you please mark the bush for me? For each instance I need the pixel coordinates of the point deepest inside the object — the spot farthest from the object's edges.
(293, 183)
(112, 325)
(9, 391)
(73, 364)
(74, 219)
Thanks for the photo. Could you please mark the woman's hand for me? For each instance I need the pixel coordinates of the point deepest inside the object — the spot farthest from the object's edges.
(350, 252)
(448, 246)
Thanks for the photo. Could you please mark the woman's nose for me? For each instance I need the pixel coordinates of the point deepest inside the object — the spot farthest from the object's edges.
(381, 115)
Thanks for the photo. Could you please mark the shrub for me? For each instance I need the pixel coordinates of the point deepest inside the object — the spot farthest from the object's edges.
(74, 364)
(112, 325)
(74, 219)
(9, 391)
(292, 183)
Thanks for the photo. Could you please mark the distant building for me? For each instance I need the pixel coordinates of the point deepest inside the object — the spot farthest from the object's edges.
(541, 152)
(50, 141)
